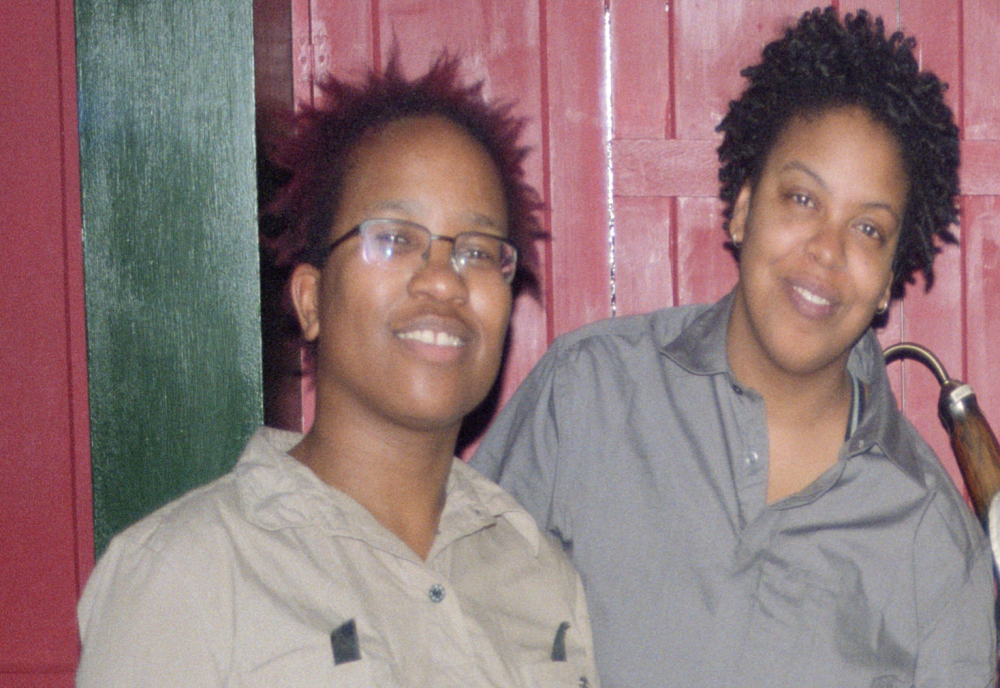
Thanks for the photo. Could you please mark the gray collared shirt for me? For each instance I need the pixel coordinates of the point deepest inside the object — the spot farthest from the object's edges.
(633, 443)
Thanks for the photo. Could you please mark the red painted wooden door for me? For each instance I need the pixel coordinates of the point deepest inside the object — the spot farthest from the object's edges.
(624, 97)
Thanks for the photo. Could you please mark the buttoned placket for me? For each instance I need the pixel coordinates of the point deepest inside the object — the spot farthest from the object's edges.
(750, 457)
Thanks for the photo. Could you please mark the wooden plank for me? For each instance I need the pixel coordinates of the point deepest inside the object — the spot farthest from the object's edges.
(981, 88)
(641, 69)
(705, 270)
(44, 451)
(713, 41)
(980, 172)
(644, 253)
(981, 222)
(47, 679)
(674, 167)
(934, 319)
(577, 163)
(169, 208)
(339, 37)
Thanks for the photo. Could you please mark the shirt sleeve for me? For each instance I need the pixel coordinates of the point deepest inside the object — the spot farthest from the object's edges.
(956, 605)
(520, 451)
(146, 621)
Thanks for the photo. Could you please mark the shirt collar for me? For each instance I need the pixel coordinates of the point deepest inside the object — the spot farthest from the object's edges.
(700, 349)
(883, 429)
(277, 491)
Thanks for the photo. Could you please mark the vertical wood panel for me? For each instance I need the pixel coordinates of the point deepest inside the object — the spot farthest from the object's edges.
(981, 218)
(44, 454)
(578, 168)
(935, 319)
(714, 40)
(705, 270)
(981, 112)
(981, 215)
(640, 70)
(338, 36)
(643, 271)
(169, 208)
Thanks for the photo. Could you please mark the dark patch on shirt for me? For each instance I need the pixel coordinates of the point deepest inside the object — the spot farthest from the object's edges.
(559, 644)
(344, 640)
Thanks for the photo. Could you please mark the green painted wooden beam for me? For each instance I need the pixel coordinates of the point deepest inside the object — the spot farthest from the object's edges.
(170, 242)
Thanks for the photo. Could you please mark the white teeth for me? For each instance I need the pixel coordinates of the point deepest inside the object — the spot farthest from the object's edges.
(431, 337)
(810, 297)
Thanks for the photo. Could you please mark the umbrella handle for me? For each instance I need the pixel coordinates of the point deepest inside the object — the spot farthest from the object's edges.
(972, 440)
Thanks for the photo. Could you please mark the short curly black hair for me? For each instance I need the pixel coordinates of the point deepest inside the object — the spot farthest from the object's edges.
(317, 154)
(821, 63)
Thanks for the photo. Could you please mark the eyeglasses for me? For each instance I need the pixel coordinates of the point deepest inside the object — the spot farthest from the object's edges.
(402, 243)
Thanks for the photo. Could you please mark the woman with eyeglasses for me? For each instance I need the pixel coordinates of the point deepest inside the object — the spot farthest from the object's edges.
(364, 553)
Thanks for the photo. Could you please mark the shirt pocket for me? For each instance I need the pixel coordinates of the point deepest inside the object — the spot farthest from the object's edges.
(551, 674)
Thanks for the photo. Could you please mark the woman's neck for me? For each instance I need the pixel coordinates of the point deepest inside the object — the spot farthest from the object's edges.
(399, 475)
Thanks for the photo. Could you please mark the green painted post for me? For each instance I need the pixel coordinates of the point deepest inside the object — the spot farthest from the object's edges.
(170, 246)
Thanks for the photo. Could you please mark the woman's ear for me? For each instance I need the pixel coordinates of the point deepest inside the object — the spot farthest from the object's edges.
(883, 303)
(304, 288)
(741, 209)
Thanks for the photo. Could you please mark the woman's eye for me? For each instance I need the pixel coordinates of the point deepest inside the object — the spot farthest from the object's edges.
(393, 240)
(802, 199)
(473, 254)
(870, 230)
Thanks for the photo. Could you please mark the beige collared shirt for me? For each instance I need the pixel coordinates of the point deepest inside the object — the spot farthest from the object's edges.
(269, 577)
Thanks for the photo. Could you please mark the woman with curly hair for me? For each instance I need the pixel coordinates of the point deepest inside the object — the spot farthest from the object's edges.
(363, 553)
(735, 483)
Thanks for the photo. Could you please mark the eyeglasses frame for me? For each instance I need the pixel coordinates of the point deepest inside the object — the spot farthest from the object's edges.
(356, 231)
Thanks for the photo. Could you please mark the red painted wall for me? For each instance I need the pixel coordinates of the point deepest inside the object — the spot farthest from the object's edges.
(46, 541)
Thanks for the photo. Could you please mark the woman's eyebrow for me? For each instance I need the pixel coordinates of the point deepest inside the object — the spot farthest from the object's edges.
(802, 167)
(873, 205)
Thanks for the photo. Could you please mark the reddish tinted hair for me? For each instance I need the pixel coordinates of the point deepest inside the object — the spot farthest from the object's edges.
(317, 154)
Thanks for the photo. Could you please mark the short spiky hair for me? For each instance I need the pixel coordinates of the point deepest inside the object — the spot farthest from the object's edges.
(318, 153)
(821, 63)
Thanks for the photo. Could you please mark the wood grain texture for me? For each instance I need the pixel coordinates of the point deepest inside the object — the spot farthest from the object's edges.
(169, 207)
(577, 165)
(641, 70)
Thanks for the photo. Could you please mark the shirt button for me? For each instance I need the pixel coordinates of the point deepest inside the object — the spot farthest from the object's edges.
(436, 593)
(752, 459)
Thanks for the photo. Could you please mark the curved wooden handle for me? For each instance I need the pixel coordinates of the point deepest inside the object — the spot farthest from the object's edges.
(977, 451)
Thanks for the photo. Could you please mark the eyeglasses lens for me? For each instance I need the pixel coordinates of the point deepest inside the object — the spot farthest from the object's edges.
(391, 241)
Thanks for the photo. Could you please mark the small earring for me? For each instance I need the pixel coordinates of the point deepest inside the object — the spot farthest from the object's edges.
(882, 308)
